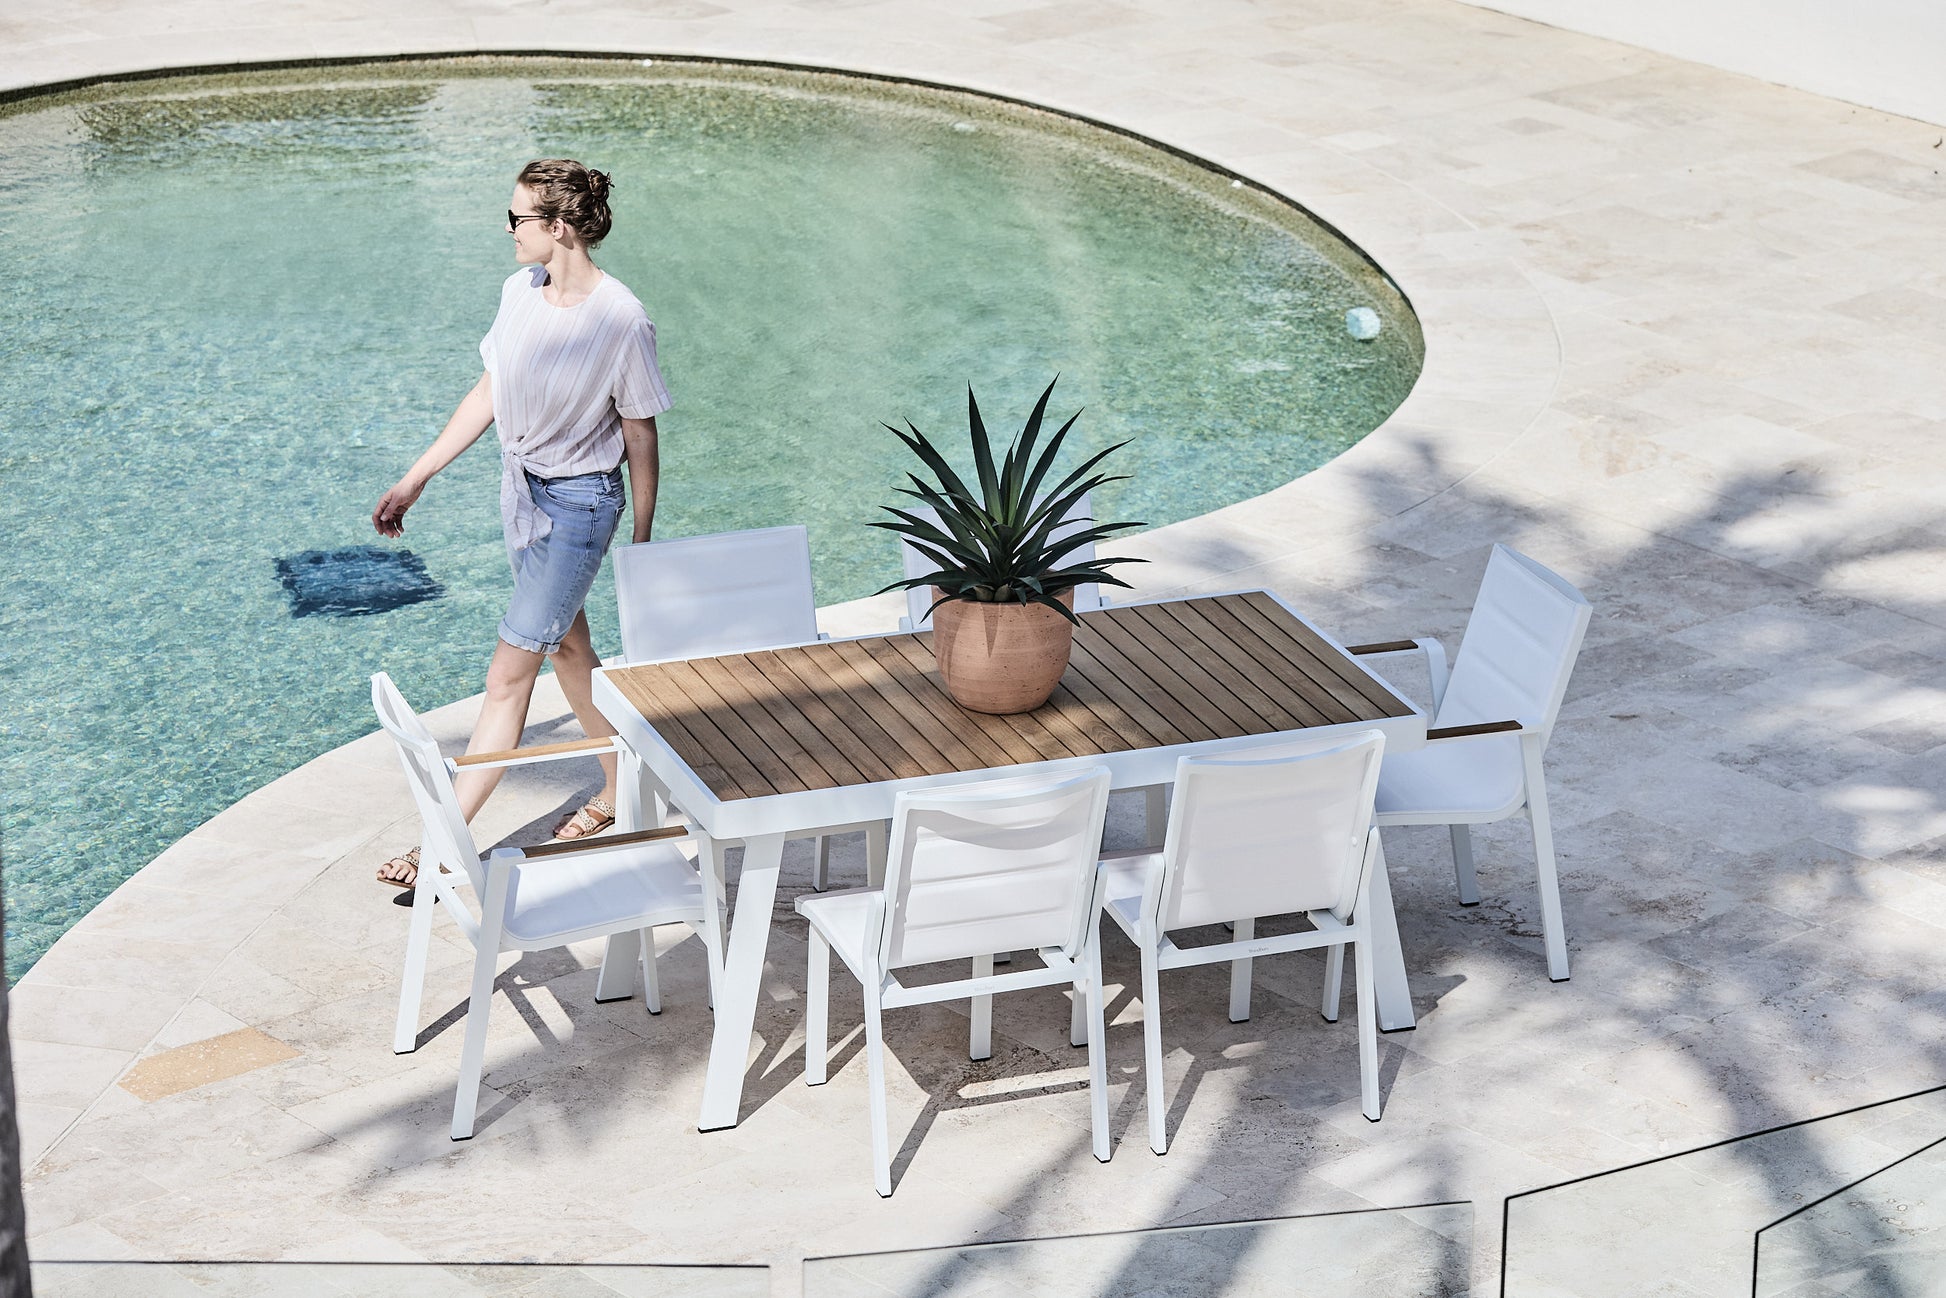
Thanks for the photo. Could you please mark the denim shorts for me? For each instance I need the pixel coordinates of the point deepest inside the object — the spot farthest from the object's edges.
(552, 577)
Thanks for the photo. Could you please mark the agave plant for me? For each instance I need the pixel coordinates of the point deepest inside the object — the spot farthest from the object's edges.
(999, 546)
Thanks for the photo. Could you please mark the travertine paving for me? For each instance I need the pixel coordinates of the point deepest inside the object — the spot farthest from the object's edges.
(1684, 339)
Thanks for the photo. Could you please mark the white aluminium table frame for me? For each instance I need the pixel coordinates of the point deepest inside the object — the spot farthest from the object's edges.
(763, 824)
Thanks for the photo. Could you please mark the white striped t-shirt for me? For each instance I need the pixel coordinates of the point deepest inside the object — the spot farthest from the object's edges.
(564, 378)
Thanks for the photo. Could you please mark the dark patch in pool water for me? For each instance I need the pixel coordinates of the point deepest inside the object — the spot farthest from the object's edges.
(353, 582)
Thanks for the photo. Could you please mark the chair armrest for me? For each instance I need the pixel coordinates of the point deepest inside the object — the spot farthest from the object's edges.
(597, 843)
(1435, 659)
(1477, 728)
(538, 753)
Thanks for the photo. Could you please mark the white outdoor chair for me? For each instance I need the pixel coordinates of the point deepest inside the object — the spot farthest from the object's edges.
(1277, 829)
(974, 871)
(727, 593)
(700, 596)
(531, 899)
(918, 599)
(1492, 718)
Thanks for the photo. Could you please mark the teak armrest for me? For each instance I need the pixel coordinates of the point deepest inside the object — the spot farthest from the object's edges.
(1477, 728)
(1383, 647)
(606, 840)
(539, 752)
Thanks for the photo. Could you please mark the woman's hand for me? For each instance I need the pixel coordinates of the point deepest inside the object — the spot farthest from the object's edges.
(388, 518)
(474, 414)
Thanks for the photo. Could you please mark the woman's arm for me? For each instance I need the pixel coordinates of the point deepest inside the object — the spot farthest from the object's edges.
(644, 467)
(471, 418)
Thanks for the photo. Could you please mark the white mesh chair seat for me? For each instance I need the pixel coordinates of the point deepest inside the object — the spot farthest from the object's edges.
(973, 871)
(528, 900)
(1281, 828)
(1512, 671)
(1475, 779)
(550, 903)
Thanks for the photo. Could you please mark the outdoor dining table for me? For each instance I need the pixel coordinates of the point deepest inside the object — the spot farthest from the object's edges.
(783, 743)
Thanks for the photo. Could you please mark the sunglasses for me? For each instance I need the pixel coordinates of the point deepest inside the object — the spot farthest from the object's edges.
(513, 221)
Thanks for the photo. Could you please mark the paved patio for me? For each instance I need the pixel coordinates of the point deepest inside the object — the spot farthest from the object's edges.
(1684, 339)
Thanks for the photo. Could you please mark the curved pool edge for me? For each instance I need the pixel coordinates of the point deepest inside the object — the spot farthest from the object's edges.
(129, 977)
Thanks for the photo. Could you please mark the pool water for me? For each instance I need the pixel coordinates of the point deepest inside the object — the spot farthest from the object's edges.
(242, 305)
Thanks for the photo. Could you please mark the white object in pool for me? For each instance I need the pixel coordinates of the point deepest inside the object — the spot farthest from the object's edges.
(964, 127)
(1362, 323)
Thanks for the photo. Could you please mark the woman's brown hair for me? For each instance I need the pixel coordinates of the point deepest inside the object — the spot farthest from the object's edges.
(567, 191)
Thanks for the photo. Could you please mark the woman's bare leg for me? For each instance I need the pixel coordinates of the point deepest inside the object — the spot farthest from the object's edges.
(503, 715)
(574, 665)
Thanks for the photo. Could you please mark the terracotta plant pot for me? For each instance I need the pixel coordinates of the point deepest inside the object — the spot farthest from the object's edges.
(1000, 658)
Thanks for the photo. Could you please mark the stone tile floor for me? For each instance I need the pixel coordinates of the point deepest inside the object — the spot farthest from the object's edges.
(1684, 338)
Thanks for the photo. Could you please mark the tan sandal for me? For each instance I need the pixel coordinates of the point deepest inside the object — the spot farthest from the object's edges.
(403, 870)
(596, 815)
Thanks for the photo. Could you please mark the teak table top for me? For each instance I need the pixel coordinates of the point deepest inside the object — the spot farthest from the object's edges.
(849, 712)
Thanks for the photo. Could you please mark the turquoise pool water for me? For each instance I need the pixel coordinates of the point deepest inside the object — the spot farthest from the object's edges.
(241, 305)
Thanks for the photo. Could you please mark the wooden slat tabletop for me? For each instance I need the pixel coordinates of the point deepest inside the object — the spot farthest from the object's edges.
(852, 712)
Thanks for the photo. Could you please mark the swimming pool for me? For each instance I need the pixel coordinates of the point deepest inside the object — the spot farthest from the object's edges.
(250, 300)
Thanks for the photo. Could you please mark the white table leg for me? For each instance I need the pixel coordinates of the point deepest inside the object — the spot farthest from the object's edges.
(736, 1000)
(1388, 957)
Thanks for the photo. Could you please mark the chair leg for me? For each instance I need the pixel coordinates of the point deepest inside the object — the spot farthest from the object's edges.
(651, 981)
(412, 984)
(1152, 1044)
(1553, 928)
(875, 1070)
(1334, 983)
(1469, 884)
(479, 1002)
(1097, 1035)
(1244, 930)
(629, 800)
(821, 864)
(616, 981)
(979, 1041)
(817, 1014)
(1078, 1034)
(1367, 1029)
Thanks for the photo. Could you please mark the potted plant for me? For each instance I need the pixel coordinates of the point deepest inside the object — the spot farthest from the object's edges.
(1003, 606)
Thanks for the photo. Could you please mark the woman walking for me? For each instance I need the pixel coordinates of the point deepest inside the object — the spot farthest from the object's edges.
(572, 383)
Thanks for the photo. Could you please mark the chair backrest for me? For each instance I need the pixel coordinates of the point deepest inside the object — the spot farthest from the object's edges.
(1003, 865)
(700, 596)
(1087, 597)
(1519, 648)
(446, 834)
(1272, 830)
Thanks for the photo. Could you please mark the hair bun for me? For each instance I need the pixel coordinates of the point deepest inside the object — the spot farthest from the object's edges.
(597, 184)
